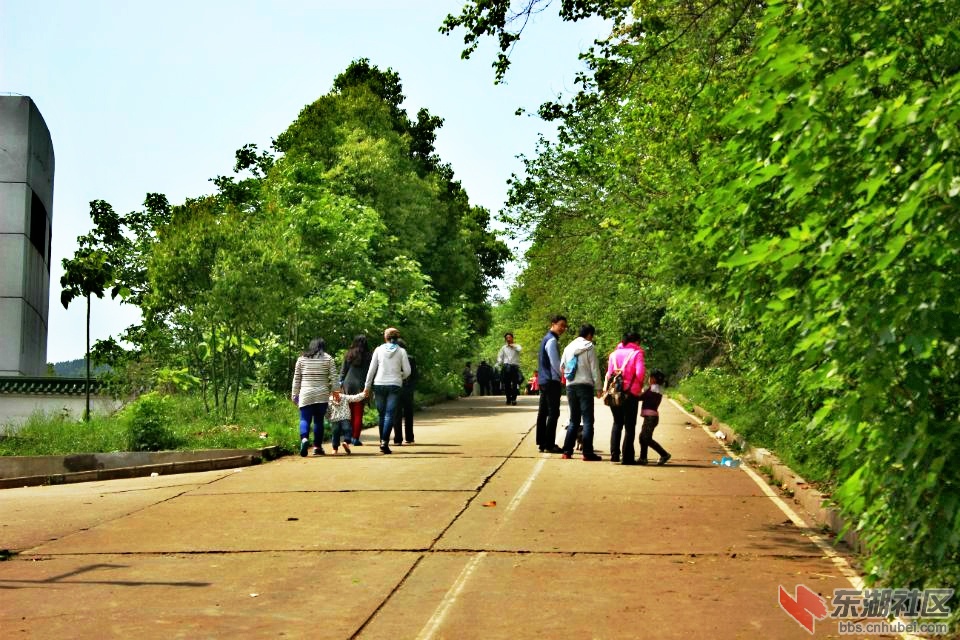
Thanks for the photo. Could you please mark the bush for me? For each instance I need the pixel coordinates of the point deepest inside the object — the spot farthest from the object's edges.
(148, 424)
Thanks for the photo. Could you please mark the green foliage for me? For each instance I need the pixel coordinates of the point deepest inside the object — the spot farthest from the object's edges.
(836, 206)
(357, 226)
(263, 419)
(46, 434)
(148, 424)
(769, 192)
(74, 368)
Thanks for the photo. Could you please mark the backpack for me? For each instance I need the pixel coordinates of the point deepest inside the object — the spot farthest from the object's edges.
(613, 392)
(570, 369)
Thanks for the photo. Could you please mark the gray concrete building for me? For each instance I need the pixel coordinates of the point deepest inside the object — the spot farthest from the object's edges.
(26, 209)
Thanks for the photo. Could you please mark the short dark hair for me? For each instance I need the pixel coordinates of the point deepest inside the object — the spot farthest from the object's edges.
(587, 330)
(508, 333)
(658, 376)
(630, 337)
(557, 318)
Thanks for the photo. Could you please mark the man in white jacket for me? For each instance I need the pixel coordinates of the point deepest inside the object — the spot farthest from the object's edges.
(583, 384)
(389, 367)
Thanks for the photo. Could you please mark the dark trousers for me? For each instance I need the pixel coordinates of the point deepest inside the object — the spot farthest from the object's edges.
(646, 437)
(625, 422)
(549, 414)
(486, 388)
(510, 378)
(403, 427)
(580, 400)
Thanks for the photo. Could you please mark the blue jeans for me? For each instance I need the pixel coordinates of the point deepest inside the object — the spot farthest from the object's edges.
(388, 399)
(313, 413)
(580, 400)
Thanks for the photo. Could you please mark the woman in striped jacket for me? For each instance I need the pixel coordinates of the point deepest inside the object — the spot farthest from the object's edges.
(314, 379)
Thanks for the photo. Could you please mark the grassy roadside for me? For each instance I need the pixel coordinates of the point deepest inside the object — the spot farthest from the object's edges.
(763, 421)
(171, 422)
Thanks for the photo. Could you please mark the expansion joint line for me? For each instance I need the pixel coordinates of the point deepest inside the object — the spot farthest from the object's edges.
(461, 580)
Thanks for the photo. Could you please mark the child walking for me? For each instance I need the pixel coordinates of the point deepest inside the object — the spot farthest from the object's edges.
(340, 421)
(650, 403)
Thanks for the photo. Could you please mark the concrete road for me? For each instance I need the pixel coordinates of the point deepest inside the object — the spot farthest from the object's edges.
(470, 533)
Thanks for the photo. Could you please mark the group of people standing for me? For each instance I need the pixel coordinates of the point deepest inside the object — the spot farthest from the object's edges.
(388, 373)
(579, 365)
(505, 378)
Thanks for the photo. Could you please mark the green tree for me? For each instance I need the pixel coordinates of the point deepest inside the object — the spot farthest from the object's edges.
(92, 269)
(836, 206)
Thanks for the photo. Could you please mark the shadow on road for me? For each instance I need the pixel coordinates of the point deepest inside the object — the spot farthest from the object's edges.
(6, 583)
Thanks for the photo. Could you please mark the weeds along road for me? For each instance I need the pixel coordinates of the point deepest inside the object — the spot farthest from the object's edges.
(470, 533)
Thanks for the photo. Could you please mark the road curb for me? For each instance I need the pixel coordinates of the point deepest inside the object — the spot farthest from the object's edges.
(239, 458)
(814, 502)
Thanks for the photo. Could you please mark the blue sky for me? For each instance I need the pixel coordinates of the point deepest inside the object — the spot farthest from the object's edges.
(156, 97)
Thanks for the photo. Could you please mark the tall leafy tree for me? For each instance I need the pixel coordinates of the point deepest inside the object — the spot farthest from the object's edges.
(358, 224)
(93, 269)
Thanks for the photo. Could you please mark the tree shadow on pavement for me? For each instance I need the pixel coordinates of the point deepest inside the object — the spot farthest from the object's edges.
(788, 535)
(7, 583)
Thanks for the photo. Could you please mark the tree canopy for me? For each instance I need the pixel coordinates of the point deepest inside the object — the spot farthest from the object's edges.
(768, 193)
(352, 223)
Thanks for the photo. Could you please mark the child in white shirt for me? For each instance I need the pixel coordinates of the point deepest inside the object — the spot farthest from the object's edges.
(339, 416)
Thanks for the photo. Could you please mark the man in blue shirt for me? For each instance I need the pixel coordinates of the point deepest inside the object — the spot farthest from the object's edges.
(548, 377)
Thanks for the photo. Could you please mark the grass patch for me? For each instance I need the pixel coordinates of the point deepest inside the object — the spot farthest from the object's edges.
(263, 419)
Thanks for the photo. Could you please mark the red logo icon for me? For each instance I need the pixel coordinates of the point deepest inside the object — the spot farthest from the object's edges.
(806, 608)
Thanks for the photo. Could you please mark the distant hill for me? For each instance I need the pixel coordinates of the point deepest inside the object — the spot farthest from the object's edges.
(77, 368)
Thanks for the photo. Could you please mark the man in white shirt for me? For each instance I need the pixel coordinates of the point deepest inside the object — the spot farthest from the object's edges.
(509, 361)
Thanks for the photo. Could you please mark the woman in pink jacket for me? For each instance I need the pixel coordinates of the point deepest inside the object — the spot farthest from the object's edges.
(628, 358)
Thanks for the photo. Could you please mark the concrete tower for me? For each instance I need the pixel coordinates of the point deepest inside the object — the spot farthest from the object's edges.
(26, 208)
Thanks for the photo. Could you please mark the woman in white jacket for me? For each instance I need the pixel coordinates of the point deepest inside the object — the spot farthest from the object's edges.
(389, 367)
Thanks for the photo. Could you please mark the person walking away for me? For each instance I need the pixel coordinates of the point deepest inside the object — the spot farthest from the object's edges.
(649, 411)
(626, 359)
(548, 379)
(389, 366)
(468, 379)
(340, 423)
(406, 402)
(353, 376)
(509, 360)
(485, 378)
(314, 379)
(583, 385)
